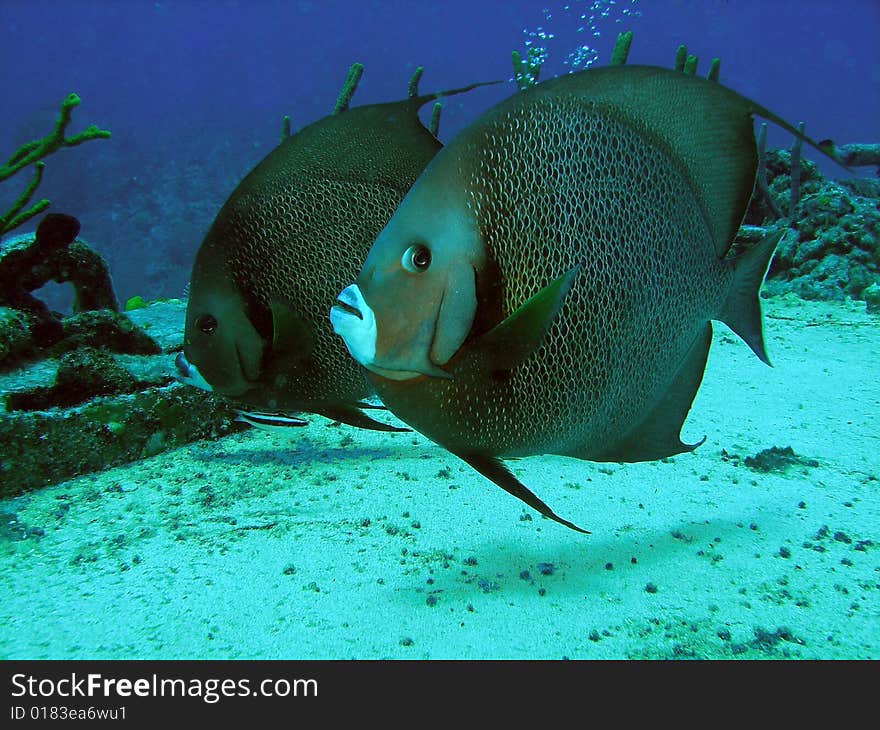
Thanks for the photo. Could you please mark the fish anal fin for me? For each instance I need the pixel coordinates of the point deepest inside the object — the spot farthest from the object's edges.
(657, 436)
(742, 310)
(494, 469)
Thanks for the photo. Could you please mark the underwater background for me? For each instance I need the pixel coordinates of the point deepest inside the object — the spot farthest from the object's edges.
(194, 92)
(338, 543)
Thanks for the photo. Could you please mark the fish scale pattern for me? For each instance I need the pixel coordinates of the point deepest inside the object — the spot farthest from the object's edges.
(559, 183)
(284, 241)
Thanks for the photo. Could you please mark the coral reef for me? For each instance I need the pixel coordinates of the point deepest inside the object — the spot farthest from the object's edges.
(32, 153)
(54, 253)
(526, 72)
(350, 84)
(90, 390)
(833, 251)
(92, 409)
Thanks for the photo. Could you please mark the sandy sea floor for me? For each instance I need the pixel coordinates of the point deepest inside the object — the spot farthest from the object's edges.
(338, 543)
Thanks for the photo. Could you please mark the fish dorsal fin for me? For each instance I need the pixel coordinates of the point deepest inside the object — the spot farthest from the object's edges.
(706, 127)
(418, 101)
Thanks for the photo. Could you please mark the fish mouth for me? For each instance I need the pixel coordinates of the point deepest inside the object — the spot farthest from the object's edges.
(348, 302)
(348, 309)
(354, 321)
(187, 373)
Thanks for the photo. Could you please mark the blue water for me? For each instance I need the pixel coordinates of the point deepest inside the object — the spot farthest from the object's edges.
(194, 91)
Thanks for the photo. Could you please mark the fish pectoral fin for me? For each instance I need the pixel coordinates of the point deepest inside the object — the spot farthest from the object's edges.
(657, 436)
(352, 416)
(494, 469)
(291, 334)
(512, 341)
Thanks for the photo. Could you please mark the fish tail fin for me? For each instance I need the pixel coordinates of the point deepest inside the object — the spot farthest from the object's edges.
(742, 310)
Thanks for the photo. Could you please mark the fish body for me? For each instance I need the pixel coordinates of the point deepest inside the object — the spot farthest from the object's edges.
(576, 241)
(271, 422)
(292, 233)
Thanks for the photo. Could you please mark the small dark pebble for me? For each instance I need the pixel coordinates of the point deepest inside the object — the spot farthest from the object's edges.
(822, 532)
(633, 560)
(609, 566)
(650, 588)
(416, 525)
(784, 552)
(594, 635)
(365, 522)
(542, 591)
(802, 505)
(545, 568)
(841, 536)
(289, 570)
(753, 526)
(525, 517)
(431, 600)
(471, 560)
(724, 635)
(524, 574)
(487, 586)
(406, 641)
(771, 638)
(846, 561)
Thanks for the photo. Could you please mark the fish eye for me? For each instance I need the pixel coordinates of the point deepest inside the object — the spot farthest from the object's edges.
(207, 323)
(417, 258)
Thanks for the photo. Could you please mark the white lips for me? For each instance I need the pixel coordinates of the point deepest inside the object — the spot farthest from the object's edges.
(189, 373)
(358, 332)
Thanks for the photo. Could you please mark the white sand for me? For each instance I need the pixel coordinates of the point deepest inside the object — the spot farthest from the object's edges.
(184, 555)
